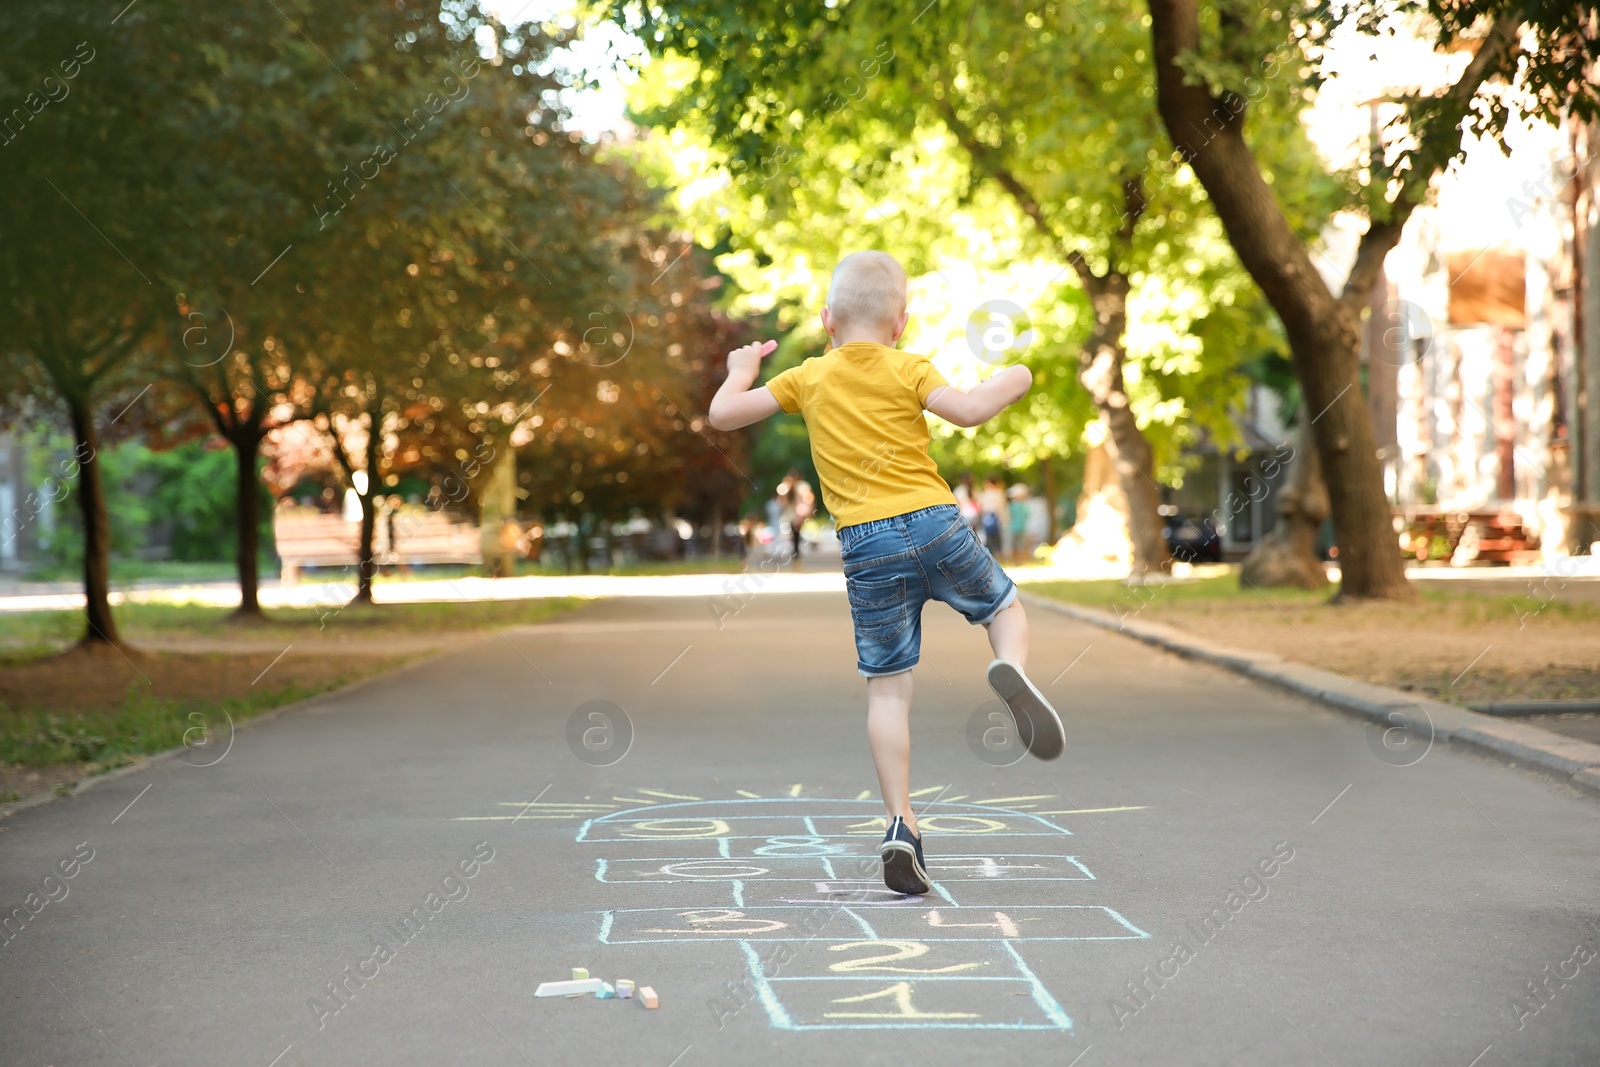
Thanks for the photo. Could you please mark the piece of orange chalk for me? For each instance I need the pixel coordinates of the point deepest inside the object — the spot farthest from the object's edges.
(649, 997)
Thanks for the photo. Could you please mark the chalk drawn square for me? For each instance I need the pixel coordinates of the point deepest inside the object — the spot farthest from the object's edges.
(1009, 997)
(1054, 922)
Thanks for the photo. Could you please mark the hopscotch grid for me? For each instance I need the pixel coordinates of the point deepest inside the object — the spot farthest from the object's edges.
(622, 816)
(786, 907)
(709, 880)
(670, 831)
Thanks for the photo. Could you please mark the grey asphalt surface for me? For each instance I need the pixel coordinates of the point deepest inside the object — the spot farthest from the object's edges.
(1416, 906)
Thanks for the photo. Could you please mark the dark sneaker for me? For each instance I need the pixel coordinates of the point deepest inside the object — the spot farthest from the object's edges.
(1038, 725)
(902, 860)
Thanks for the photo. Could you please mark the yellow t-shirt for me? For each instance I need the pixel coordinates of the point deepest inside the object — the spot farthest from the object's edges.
(863, 405)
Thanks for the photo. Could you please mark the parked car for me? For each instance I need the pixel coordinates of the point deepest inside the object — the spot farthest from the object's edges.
(1193, 539)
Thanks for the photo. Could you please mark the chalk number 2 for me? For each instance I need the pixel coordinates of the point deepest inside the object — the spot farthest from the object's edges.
(898, 950)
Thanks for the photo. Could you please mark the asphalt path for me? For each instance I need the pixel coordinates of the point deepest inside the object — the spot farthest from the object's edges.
(1214, 873)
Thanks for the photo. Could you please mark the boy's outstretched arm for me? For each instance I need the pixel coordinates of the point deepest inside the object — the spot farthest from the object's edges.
(736, 404)
(986, 399)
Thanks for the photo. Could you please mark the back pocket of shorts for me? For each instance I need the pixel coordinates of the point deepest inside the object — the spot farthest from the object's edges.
(969, 569)
(878, 607)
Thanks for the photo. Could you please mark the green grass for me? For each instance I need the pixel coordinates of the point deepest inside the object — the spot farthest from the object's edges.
(1102, 593)
(127, 571)
(1464, 603)
(140, 725)
(26, 635)
(449, 572)
(165, 570)
(103, 738)
(719, 565)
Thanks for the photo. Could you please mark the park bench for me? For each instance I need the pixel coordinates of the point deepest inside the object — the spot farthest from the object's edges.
(1481, 536)
(308, 538)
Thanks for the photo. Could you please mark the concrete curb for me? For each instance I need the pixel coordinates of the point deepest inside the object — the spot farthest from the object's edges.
(1574, 762)
(146, 762)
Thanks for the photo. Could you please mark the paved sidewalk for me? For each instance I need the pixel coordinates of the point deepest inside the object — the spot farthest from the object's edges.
(1215, 873)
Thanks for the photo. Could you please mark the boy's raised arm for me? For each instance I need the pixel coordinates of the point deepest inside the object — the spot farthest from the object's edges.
(736, 404)
(985, 401)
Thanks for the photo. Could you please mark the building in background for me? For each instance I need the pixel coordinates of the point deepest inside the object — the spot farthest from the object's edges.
(1492, 437)
(1481, 355)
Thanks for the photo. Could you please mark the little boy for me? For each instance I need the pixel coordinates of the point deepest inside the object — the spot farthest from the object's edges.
(903, 538)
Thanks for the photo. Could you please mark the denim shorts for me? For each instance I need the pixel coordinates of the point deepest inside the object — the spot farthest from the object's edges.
(893, 566)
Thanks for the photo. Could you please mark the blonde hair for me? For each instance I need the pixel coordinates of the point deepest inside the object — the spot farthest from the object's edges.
(868, 289)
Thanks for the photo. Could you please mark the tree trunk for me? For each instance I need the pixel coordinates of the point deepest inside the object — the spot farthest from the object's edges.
(247, 513)
(1323, 331)
(1370, 563)
(1102, 356)
(1100, 371)
(365, 561)
(1287, 556)
(102, 627)
(367, 566)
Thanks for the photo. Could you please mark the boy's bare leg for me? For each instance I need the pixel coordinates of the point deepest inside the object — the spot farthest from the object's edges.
(1037, 722)
(889, 732)
(1008, 635)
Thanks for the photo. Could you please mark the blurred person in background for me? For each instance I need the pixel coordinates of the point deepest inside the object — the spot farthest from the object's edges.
(992, 503)
(1019, 518)
(796, 503)
(510, 543)
(533, 544)
(964, 501)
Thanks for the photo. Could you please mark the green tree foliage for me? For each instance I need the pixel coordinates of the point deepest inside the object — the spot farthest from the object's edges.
(1533, 59)
(373, 217)
(1009, 134)
(93, 186)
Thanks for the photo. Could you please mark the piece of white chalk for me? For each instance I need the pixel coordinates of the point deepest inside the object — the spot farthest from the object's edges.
(562, 989)
(579, 973)
(624, 989)
(649, 997)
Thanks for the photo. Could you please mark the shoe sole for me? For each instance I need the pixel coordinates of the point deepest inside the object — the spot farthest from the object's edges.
(901, 872)
(1038, 725)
